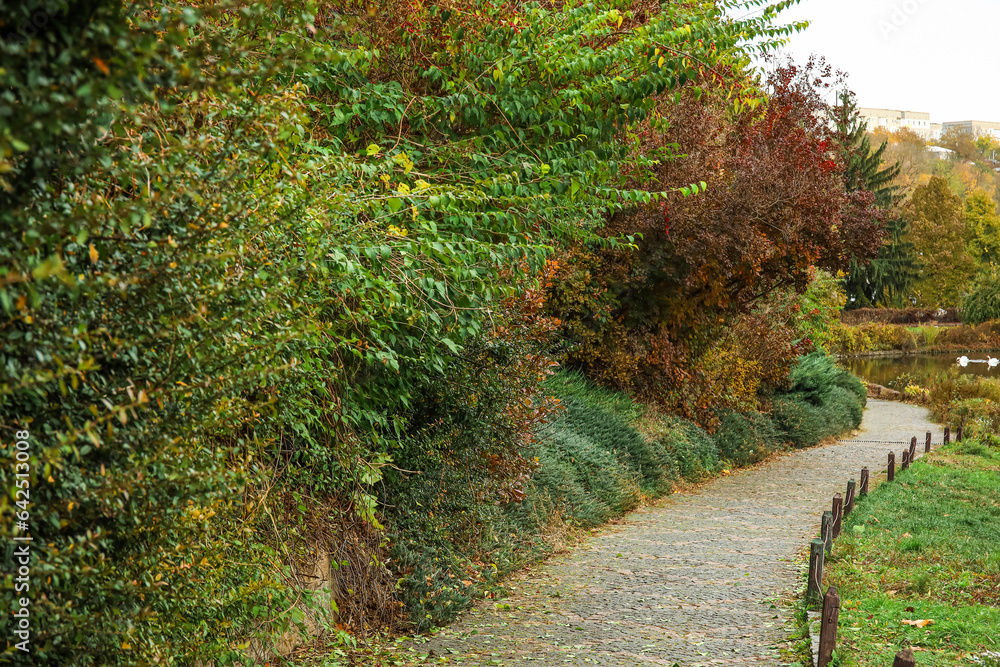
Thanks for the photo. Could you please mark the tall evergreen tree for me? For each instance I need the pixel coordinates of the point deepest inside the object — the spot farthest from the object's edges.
(885, 280)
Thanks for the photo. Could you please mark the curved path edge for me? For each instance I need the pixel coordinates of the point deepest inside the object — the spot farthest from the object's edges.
(698, 578)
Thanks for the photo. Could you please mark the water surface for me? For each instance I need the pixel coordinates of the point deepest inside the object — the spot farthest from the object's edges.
(897, 372)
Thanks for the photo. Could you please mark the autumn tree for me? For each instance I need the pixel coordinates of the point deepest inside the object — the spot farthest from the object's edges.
(909, 150)
(775, 205)
(960, 141)
(988, 147)
(938, 233)
(983, 229)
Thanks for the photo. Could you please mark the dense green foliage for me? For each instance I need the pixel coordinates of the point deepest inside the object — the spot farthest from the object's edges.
(983, 302)
(248, 247)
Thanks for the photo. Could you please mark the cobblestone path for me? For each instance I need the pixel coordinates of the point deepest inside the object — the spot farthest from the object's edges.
(695, 579)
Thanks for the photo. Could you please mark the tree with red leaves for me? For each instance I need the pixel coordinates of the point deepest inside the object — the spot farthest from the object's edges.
(775, 206)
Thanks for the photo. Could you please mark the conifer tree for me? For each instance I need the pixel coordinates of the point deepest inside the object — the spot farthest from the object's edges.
(885, 280)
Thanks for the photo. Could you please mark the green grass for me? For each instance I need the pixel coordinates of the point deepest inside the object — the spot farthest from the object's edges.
(923, 547)
(925, 335)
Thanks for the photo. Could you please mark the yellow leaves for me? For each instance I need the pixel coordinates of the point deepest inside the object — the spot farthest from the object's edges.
(659, 63)
(404, 161)
(919, 623)
(93, 254)
(398, 231)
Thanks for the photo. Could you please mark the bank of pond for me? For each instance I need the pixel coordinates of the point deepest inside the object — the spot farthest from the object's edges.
(899, 371)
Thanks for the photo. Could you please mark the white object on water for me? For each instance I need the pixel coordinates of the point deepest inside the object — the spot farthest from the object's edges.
(963, 361)
(992, 361)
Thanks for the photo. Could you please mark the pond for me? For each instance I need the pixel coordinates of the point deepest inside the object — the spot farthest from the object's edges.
(915, 368)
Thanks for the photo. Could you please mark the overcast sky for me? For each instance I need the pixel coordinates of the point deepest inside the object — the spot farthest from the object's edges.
(940, 56)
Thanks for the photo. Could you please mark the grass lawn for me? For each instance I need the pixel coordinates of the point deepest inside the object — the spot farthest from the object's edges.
(926, 547)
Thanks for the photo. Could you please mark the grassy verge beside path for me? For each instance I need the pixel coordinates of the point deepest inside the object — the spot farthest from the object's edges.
(924, 548)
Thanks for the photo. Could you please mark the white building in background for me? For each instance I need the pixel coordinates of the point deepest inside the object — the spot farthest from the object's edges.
(895, 119)
(977, 128)
(940, 153)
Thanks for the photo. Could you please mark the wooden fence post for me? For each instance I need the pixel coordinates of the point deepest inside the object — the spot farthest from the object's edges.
(814, 589)
(904, 659)
(913, 449)
(891, 471)
(905, 458)
(828, 629)
(838, 513)
(826, 530)
(927, 442)
(849, 498)
(958, 433)
(947, 434)
(863, 489)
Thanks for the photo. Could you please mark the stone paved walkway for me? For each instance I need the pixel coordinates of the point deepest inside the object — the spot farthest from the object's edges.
(696, 579)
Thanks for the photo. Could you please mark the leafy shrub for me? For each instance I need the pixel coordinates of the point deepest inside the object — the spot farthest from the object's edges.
(983, 303)
(745, 439)
(800, 420)
(844, 409)
(871, 337)
(824, 400)
(695, 452)
(651, 462)
(854, 385)
(985, 335)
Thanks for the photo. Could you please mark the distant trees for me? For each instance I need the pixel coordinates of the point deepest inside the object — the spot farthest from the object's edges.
(909, 150)
(983, 229)
(960, 141)
(938, 232)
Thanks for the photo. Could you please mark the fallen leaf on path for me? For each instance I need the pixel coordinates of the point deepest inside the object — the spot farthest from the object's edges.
(918, 623)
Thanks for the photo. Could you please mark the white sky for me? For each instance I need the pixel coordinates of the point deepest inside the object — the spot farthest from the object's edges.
(940, 56)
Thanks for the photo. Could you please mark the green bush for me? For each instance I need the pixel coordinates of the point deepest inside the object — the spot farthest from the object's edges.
(983, 303)
(652, 463)
(824, 400)
(800, 420)
(694, 452)
(745, 439)
(843, 409)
